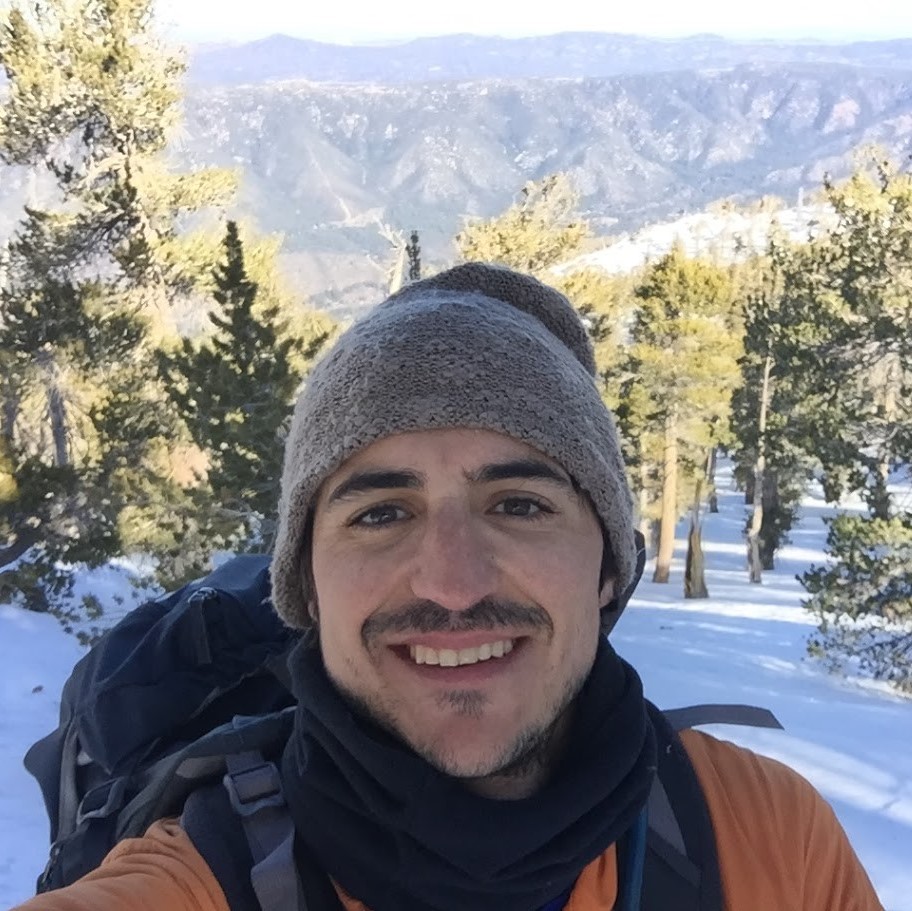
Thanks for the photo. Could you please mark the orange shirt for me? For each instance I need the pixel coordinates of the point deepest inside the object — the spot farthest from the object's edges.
(780, 848)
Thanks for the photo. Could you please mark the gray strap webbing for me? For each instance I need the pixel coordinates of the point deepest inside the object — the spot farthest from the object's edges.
(662, 819)
(68, 799)
(692, 716)
(255, 790)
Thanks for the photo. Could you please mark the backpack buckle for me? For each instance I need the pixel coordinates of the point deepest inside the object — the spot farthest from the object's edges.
(252, 784)
(102, 801)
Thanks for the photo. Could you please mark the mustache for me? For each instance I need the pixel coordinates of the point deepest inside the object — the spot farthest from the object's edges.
(430, 617)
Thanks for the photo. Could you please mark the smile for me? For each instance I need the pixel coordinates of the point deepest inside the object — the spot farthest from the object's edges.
(448, 657)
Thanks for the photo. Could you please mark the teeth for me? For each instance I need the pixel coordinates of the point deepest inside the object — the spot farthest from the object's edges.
(448, 657)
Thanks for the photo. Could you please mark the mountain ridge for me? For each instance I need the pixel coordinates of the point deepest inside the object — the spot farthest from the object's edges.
(326, 164)
(443, 58)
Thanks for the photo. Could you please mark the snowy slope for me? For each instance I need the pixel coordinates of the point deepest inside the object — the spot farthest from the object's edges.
(852, 739)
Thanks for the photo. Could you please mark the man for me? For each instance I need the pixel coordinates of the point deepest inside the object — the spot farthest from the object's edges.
(455, 534)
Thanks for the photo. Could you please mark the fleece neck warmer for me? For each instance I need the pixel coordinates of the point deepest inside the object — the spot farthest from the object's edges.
(399, 835)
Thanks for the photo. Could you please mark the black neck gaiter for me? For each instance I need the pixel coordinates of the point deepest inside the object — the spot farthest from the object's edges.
(399, 835)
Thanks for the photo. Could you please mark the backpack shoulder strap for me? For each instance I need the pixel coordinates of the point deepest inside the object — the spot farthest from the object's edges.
(245, 833)
(682, 860)
(692, 716)
(255, 793)
(682, 866)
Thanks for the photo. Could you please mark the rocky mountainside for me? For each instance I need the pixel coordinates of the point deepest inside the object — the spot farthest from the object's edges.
(327, 163)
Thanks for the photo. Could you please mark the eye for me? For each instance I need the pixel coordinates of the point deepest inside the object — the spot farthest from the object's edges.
(377, 516)
(522, 508)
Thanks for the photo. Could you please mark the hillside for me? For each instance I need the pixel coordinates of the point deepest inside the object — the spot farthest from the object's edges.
(323, 163)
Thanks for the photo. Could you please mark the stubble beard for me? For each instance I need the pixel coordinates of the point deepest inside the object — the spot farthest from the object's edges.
(531, 755)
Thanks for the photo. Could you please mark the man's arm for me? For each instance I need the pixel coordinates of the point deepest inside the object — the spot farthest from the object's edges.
(160, 871)
(779, 842)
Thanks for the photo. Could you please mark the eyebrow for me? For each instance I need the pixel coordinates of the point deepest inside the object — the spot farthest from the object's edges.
(398, 479)
(367, 481)
(524, 469)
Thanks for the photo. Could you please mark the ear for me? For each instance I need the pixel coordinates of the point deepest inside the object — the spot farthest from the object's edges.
(607, 592)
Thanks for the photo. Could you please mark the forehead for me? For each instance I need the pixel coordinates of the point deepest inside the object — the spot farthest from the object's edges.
(459, 451)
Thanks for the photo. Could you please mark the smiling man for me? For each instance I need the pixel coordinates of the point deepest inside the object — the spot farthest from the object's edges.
(457, 573)
(456, 540)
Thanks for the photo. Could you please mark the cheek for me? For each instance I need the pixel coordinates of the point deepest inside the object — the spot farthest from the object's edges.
(349, 588)
(567, 568)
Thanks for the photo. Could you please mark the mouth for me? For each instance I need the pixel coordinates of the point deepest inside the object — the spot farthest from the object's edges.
(451, 657)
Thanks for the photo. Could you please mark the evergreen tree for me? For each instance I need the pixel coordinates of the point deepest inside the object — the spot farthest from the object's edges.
(846, 304)
(81, 428)
(541, 229)
(769, 409)
(413, 252)
(862, 598)
(852, 366)
(92, 273)
(680, 375)
(235, 389)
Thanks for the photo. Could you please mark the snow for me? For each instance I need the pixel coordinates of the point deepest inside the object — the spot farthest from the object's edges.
(850, 737)
(726, 236)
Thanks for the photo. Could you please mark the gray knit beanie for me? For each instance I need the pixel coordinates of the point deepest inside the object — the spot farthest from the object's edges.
(477, 346)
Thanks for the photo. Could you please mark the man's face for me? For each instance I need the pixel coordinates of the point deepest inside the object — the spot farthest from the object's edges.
(457, 575)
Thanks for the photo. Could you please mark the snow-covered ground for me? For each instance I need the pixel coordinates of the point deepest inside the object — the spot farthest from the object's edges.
(851, 738)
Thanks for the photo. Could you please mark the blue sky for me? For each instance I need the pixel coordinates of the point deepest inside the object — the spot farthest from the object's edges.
(358, 21)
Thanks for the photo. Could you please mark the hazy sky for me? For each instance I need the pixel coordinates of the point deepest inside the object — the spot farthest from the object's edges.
(356, 21)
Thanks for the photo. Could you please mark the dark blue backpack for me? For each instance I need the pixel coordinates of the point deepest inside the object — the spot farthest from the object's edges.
(180, 709)
(150, 712)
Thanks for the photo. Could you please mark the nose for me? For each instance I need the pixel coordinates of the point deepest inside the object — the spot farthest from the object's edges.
(454, 565)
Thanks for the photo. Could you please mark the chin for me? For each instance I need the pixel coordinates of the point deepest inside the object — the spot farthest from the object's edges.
(464, 764)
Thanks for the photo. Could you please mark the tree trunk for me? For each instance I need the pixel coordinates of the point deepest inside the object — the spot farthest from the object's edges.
(694, 570)
(645, 523)
(772, 506)
(669, 500)
(754, 561)
(879, 500)
(711, 463)
(56, 403)
(9, 415)
(749, 490)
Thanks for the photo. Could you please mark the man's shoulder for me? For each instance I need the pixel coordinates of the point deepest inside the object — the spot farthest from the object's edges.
(162, 869)
(720, 764)
(779, 841)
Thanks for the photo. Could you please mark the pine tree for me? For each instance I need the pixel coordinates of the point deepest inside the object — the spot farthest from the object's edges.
(680, 376)
(93, 270)
(541, 229)
(861, 598)
(413, 252)
(74, 456)
(852, 364)
(235, 390)
(843, 336)
(770, 409)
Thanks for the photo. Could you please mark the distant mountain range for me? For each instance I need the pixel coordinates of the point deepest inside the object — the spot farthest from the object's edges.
(569, 55)
(324, 163)
(648, 130)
